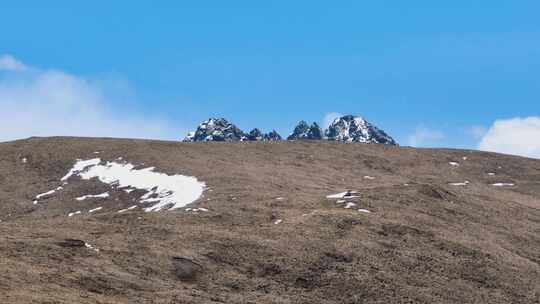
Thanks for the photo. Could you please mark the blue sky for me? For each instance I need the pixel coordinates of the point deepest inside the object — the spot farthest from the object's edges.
(443, 72)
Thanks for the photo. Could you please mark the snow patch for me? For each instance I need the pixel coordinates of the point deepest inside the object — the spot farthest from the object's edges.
(45, 194)
(74, 213)
(369, 177)
(503, 185)
(364, 211)
(347, 194)
(95, 209)
(454, 164)
(91, 247)
(127, 209)
(465, 183)
(277, 222)
(166, 191)
(349, 205)
(102, 195)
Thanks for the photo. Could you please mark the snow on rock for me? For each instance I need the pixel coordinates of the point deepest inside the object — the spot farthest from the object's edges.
(454, 164)
(45, 194)
(491, 173)
(127, 209)
(349, 205)
(197, 209)
(347, 194)
(74, 213)
(168, 192)
(465, 183)
(102, 195)
(95, 209)
(24, 160)
(364, 211)
(91, 247)
(369, 177)
(503, 185)
(80, 165)
(277, 222)
(351, 128)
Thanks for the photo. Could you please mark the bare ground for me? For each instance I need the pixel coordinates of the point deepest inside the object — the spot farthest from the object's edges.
(425, 241)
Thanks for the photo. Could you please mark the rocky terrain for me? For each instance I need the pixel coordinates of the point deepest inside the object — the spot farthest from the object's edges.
(347, 128)
(275, 222)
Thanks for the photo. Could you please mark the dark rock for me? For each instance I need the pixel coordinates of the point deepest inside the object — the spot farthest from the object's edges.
(186, 269)
(272, 136)
(303, 131)
(255, 135)
(72, 243)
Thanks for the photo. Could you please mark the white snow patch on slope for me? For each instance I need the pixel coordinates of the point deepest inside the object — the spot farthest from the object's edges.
(74, 213)
(347, 194)
(503, 185)
(45, 194)
(166, 191)
(465, 183)
(364, 211)
(80, 165)
(102, 195)
(95, 209)
(455, 164)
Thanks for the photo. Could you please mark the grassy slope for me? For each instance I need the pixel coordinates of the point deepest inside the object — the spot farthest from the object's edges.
(427, 242)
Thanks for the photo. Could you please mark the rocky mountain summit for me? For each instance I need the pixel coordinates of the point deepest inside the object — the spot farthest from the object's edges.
(219, 129)
(351, 128)
(304, 131)
(347, 128)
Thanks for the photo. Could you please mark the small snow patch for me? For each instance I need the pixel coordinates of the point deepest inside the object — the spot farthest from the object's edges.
(74, 213)
(24, 160)
(45, 194)
(102, 195)
(91, 247)
(95, 209)
(364, 211)
(503, 185)
(279, 198)
(348, 194)
(349, 205)
(369, 177)
(465, 183)
(491, 173)
(127, 209)
(454, 164)
(80, 165)
(464, 158)
(197, 209)
(277, 222)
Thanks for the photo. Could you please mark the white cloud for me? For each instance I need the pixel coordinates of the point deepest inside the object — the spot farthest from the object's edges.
(329, 119)
(423, 136)
(37, 102)
(9, 63)
(519, 136)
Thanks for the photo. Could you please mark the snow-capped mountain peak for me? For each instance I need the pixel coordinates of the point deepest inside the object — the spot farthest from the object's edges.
(351, 128)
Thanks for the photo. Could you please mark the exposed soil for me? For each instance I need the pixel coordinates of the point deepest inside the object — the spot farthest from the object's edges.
(425, 241)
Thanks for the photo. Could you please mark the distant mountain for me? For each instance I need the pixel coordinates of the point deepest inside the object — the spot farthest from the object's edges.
(216, 129)
(351, 128)
(219, 129)
(303, 131)
(347, 128)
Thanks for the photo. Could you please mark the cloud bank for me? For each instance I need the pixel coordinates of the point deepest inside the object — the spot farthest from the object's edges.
(38, 102)
(519, 136)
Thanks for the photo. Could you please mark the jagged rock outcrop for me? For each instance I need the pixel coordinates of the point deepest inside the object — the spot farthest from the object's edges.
(351, 128)
(303, 131)
(255, 135)
(272, 136)
(219, 129)
(216, 129)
